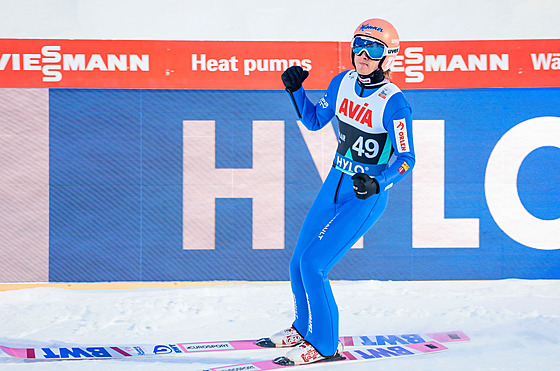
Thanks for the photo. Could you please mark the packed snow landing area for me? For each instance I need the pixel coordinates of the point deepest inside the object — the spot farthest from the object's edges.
(513, 324)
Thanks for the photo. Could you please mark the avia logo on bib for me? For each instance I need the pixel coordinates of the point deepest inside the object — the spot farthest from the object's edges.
(356, 112)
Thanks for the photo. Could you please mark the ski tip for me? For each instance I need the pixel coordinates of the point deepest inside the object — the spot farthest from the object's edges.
(18, 352)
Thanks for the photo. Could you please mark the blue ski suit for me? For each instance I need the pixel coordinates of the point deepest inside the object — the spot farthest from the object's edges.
(375, 137)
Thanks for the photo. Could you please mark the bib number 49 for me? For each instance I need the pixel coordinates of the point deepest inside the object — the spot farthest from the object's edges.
(368, 148)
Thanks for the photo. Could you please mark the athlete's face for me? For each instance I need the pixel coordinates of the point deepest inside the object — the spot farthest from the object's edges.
(365, 65)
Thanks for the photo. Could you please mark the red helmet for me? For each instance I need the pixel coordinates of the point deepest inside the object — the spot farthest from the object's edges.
(383, 31)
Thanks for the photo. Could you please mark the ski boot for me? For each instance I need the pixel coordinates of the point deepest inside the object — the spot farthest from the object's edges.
(286, 338)
(306, 353)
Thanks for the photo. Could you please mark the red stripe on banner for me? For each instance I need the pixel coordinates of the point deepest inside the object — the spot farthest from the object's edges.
(349, 355)
(30, 353)
(33, 63)
(119, 350)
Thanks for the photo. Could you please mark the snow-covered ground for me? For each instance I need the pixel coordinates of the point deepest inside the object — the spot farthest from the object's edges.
(514, 324)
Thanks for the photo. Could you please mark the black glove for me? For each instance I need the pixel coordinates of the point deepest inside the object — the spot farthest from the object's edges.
(293, 77)
(364, 185)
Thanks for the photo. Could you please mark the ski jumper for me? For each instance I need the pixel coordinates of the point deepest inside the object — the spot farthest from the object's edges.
(375, 137)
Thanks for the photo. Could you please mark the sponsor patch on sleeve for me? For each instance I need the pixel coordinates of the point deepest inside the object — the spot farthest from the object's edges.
(404, 167)
(401, 135)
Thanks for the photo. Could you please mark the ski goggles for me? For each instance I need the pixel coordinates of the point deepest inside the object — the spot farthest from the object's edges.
(374, 49)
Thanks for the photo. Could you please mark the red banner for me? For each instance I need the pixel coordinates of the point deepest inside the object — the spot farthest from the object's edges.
(27, 63)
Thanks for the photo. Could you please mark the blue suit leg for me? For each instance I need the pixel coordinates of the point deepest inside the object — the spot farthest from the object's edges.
(352, 219)
(322, 210)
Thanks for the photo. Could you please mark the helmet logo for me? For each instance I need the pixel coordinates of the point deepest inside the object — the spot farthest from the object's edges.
(365, 27)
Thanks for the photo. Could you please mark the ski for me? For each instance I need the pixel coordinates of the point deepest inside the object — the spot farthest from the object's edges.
(143, 350)
(360, 354)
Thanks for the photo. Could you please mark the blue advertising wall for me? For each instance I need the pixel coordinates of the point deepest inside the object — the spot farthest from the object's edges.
(116, 187)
